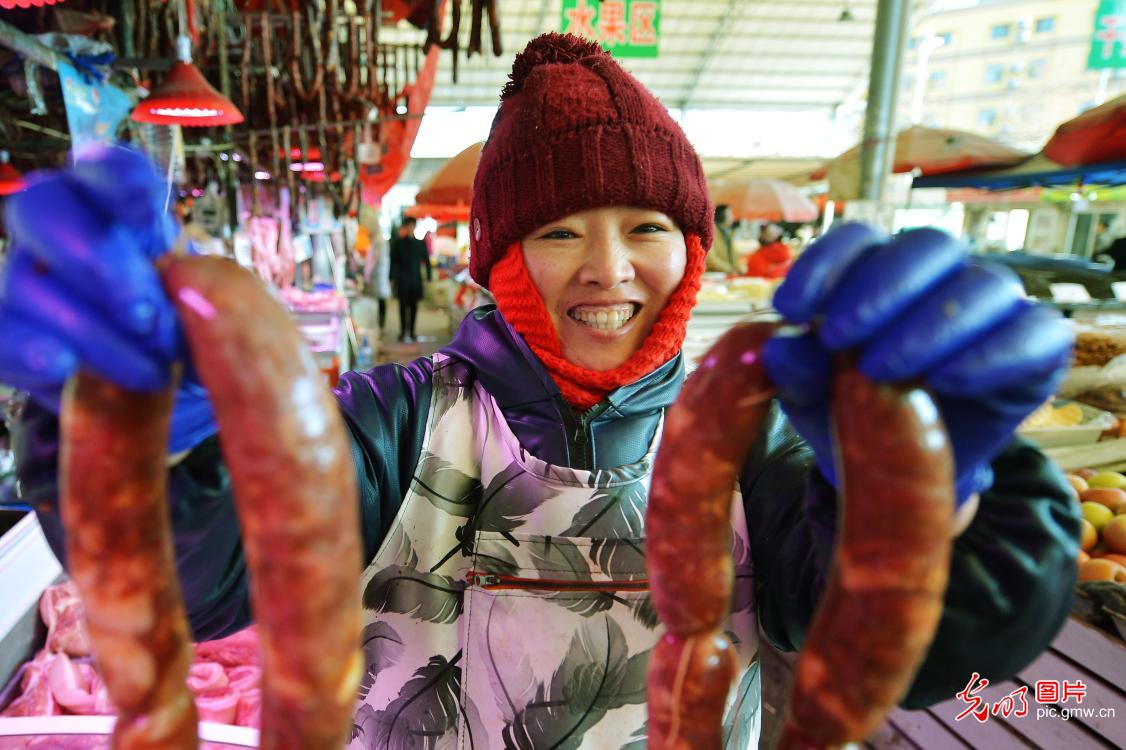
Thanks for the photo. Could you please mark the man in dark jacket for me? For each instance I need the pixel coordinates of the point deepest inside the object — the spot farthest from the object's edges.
(409, 256)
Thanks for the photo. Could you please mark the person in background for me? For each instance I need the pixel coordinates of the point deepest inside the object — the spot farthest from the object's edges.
(377, 262)
(408, 257)
(773, 258)
(523, 449)
(722, 255)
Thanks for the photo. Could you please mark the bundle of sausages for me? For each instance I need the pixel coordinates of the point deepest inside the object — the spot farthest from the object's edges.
(883, 600)
(289, 458)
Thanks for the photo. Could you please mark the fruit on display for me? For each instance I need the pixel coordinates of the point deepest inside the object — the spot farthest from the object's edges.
(1088, 536)
(1111, 497)
(1120, 559)
(1078, 483)
(1107, 479)
(1100, 569)
(1099, 515)
(1114, 535)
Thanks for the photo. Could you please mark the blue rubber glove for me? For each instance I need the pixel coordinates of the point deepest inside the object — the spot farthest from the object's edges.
(914, 306)
(79, 289)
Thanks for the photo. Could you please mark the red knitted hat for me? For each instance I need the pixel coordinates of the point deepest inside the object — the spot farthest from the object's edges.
(575, 131)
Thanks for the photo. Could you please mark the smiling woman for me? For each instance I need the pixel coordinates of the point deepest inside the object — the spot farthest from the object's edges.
(604, 276)
(504, 481)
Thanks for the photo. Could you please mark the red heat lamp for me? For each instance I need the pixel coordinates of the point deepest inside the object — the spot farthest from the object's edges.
(11, 4)
(11, 181)
(186, 98)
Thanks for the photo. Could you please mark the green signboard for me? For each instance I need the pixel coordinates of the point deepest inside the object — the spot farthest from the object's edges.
(626, 28)
(1108, 42)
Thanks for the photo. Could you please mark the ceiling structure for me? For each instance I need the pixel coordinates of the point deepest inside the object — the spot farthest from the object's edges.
(729, 54)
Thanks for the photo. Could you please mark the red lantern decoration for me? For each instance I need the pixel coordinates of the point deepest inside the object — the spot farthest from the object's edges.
(10, 4)
(186, 98)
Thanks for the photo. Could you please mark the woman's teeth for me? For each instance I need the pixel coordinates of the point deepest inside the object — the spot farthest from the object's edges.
(605, 319)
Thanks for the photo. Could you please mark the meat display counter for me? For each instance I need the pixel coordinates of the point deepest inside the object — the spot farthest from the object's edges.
(42, 682)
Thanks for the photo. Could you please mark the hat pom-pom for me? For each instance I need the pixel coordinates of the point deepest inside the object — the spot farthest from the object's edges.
(545, 49)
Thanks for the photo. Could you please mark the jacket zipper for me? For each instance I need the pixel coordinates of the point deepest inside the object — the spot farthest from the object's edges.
(578, 436)
(495, 581)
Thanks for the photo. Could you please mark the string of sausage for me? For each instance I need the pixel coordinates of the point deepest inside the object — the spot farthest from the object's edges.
(295, 492)
(119, 553)
(883, 599)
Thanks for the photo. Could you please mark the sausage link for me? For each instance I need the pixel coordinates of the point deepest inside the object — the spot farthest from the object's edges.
(708, 435)
(694, 674)
(290, 461)
(883, 600)
(113, 466)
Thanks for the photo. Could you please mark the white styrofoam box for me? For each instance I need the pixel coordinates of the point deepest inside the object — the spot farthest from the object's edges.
(27, 567)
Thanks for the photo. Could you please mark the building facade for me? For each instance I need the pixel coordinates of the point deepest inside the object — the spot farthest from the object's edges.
(1013, 69)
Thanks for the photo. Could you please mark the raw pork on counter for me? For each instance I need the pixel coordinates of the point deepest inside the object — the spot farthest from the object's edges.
(63, 680)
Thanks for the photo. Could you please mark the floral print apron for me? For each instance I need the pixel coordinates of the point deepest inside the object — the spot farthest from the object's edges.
(508, 606)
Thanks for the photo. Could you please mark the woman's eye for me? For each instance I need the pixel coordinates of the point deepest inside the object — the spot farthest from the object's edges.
(649, 228)
(558, 234)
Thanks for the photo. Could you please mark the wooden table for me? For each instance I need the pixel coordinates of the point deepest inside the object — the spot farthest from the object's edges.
(1079, 652)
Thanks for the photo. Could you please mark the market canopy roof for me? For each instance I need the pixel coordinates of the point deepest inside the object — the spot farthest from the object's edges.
(1097, 135)
(767, 54)
(1038, 170)
(927, 151)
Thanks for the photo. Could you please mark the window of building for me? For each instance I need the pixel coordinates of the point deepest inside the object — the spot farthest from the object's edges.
(994, 73)
(1037, 68)
(1001, 30)
(937, 78)
(1044, 25)
(947, 37)
(987, 117)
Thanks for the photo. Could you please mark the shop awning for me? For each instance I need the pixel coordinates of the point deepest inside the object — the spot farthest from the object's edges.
(1037, 171)
(1097, 135)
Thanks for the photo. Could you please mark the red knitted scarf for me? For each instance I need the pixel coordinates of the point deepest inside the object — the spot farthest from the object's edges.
(521, 305)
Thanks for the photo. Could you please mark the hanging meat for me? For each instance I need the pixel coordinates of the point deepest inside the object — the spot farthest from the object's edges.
(289, 458)
(883, 599)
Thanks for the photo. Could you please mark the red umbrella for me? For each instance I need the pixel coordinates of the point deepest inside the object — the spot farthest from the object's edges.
(1097, 135)
(763, 198)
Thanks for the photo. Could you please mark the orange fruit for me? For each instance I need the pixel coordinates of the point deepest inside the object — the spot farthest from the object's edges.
(1120, 559)
(1085, 473)
(1111, 497)
(1100, 570)
(1083, 557)
(1078, 483)
(1088, 537)
(1114, 535)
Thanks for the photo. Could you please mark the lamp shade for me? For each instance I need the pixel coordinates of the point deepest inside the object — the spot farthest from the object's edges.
(9, 4)
(10, 179)
(186, 98)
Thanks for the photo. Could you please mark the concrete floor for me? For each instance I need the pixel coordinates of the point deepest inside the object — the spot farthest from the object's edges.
(433, 329)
